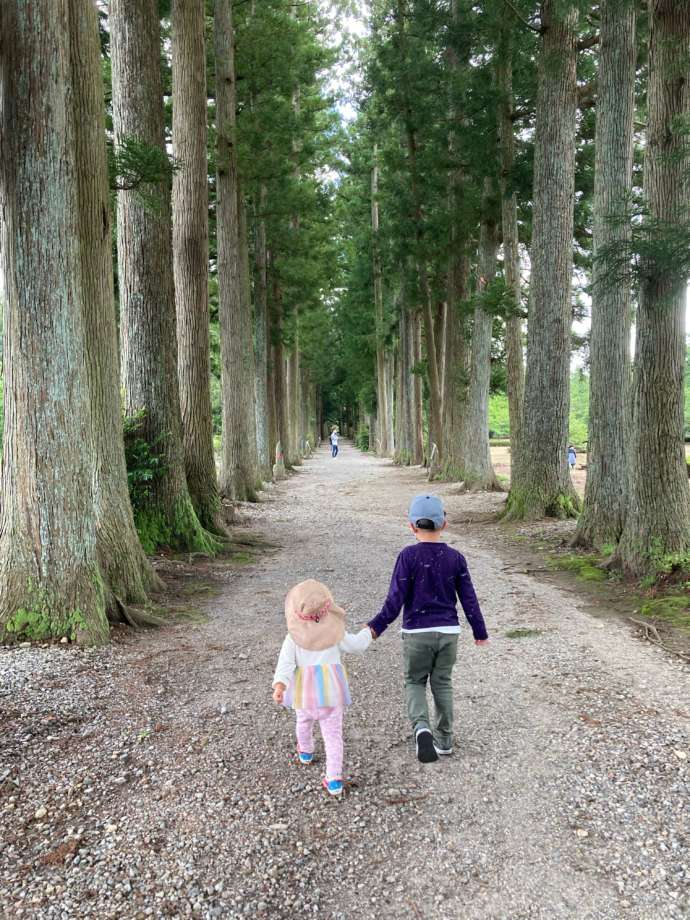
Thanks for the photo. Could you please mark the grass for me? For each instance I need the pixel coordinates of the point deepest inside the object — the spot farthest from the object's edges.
(673, 609)
(240, 558)
(584, 566)
(523, 632)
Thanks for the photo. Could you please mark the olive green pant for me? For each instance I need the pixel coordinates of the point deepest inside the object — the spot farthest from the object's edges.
(430, 656)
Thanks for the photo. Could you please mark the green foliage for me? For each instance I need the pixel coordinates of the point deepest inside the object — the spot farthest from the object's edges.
(144, 461)
(673, 609)
(144, 168)
(362, 438)
(499, 422)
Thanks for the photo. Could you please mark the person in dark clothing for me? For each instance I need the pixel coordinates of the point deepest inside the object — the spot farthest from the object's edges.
(428, 578)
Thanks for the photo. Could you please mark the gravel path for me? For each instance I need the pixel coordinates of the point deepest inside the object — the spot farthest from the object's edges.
(157, 778)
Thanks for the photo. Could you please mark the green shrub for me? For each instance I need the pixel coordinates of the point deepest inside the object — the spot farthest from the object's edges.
(144, 460)
(362, 438)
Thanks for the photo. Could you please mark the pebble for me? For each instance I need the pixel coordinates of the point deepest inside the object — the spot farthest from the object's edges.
(568, 781)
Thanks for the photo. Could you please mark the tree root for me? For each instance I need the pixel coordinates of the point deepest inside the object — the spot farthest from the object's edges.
(651, 634)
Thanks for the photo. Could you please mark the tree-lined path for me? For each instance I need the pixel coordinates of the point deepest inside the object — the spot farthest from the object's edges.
(156, 777)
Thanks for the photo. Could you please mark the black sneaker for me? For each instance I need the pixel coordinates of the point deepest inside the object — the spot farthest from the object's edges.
(426, 753)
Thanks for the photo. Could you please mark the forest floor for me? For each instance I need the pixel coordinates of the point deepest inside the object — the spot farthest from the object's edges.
(156, 778)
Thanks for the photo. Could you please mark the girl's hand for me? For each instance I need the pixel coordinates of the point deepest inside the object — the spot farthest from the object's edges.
(481, 641)
(279, 692)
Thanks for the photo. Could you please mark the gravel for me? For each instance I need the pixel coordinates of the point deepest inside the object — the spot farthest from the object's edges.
(157, 779)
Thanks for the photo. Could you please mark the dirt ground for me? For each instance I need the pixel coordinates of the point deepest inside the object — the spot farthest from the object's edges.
(156, 778)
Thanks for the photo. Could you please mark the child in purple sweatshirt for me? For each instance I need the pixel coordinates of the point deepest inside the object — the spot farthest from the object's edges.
(427, 580)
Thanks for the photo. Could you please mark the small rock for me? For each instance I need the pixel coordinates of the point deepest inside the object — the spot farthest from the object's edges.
(278, 827)
(64, 640)
(681, 755)
(581, 832)
(40, 813)
(110, 828)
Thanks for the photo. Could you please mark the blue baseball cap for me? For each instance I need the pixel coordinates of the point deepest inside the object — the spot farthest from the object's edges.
(429, 507)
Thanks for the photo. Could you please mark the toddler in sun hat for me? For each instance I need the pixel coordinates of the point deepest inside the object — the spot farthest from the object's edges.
(310, 676)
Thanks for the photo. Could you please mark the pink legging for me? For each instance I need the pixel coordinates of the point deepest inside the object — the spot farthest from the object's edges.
(330, 721)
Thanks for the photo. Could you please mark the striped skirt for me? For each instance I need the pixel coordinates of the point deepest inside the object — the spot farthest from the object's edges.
(318, 685)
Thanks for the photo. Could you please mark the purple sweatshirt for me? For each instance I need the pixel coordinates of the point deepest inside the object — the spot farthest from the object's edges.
(426, 580)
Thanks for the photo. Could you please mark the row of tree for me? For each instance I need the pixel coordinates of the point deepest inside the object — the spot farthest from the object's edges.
(503, 151)
(204, 132)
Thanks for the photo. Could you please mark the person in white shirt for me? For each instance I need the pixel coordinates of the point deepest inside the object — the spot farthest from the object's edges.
(310, 677)
(334, 442)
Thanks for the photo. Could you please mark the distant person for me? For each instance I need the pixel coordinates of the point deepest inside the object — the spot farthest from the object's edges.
(572, 457)
(334, 442)
(310, 677)
(427, 580)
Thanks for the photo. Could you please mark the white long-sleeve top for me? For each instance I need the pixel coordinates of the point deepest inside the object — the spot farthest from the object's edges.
(293, 656)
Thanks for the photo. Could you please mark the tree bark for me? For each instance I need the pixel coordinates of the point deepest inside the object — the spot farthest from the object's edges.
(658, 520)
(455, 338)
(239, 476)
(515, 363)
(457, 358)
(261, 340)
(382, 446)
(50, 583)
(607, 488)
(190, 257)
(147, 297)
(541, 482)
(475, 468)
(127, 573)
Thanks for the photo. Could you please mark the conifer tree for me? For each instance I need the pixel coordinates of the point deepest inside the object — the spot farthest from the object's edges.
(147, 297)
(50, 583)
(657, 523)
(190, 256)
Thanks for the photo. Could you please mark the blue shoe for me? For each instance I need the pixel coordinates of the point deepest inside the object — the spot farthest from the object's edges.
(333, 786)
(304, 757)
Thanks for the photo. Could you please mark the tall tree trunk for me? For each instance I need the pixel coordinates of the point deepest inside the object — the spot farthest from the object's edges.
(475, 467)
(238, 476)
(190, 257)
(293, 399)
(417, 394)
(515, 364)
(658, 518)
(50, 583)
(279, 370)
(389, 382)
(261, 340)
(147, 296)
(456, 358)
(249, 368)
(127, 573)
(382, 447)
(607, 489)
(402, 14)
(541, 482)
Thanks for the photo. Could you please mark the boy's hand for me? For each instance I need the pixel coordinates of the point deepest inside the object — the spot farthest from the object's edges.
(279, 692)
(481, 641)
(373, 632)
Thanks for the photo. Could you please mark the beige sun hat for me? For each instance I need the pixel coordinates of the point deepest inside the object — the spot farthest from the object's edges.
(314, 620)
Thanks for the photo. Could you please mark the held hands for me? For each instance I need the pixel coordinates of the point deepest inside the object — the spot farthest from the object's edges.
(279, 692)
(481, 641)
